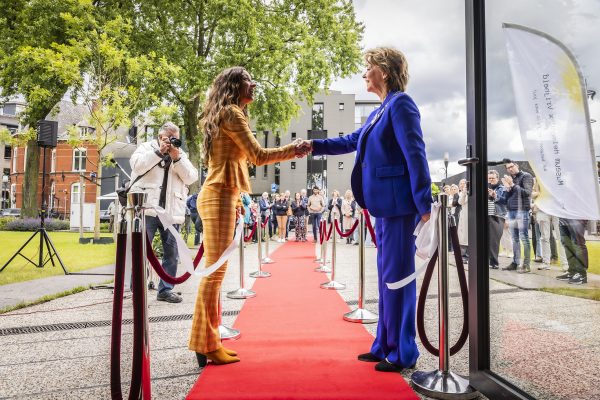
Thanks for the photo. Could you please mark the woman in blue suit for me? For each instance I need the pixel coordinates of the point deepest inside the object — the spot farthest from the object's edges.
(391, 179)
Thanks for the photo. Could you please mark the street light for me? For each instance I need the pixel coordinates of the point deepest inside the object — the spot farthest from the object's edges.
(446, 159)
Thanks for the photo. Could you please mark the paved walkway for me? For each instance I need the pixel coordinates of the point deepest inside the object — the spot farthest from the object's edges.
(60, 349)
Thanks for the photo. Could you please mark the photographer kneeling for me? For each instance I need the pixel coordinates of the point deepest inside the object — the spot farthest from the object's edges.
(165, 172)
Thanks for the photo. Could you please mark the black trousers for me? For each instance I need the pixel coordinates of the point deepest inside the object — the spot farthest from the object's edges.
(495, 229)
(572, 233)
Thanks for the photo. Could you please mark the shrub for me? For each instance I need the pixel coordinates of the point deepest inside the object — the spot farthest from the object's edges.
(104, 227)
(31, 224)
(4, 221)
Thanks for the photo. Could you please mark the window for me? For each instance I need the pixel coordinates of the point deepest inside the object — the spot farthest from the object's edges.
(52, 196)
(340, 165)
(317, 116)
(277, 141)
(151, 132)
(293, 135)
(75, 193)
(53, 161)
(85, 131)
(293, 164)
(265, 172)
(79, 156)
(252, 171)
(6, 152)
(266, 133)
(14, 160)
(341, 107)
(13, 195)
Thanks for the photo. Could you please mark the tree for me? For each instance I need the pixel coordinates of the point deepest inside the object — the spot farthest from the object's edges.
(292, 48)
(38, 61)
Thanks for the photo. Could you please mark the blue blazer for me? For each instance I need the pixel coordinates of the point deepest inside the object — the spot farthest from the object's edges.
(390, 176)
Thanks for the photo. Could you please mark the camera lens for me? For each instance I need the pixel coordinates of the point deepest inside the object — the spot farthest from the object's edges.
(175, 142)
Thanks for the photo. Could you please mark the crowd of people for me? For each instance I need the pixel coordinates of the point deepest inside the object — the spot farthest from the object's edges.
(518, 226)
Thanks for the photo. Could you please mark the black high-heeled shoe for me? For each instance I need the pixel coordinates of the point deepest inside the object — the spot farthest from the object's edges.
(202, 360)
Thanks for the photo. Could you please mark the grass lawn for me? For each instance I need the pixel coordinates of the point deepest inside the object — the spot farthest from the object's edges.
(594, 257)
(75, 256)
(591, 294)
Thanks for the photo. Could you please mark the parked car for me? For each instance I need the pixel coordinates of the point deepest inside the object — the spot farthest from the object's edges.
(10, 212)
(104, 216)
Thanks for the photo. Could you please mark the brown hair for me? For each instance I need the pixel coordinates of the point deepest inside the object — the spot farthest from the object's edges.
(224, 92)
(393, 63)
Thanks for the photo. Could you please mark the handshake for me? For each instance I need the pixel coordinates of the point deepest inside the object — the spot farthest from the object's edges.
(303, 147)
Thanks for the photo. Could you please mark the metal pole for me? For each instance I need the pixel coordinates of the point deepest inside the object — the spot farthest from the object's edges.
(332, 284)
(260, 273)
(241, 293)
(267, 259)
(225, 332)
(360, 314)
(323, 266)
(442, 383)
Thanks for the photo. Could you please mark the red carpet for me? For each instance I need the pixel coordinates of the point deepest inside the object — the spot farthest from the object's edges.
(295, 344)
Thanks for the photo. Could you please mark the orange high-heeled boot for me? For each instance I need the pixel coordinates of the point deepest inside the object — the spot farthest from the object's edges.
(218, 357)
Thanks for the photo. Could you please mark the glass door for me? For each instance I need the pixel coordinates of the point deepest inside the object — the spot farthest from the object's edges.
(533, 70)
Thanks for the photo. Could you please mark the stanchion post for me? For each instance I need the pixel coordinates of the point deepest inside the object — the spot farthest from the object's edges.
(260, 273)
(443, 383)
(138, 225)
(242, 292)
(361, 314)
(332, 284)
(323, 266)
(225, 332)
(266, 259)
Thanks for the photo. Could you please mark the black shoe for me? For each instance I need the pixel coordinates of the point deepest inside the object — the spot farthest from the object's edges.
(368, 357)
(565, 277)
(537, 259)
(512, 267)
(202, 360)
(386, 366)
(169, 297)
(578, 279)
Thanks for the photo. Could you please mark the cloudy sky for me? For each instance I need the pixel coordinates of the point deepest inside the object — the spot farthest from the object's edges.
(432, 35)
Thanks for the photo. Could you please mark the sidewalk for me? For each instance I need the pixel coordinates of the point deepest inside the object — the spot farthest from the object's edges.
(29, 291)
(60, 349)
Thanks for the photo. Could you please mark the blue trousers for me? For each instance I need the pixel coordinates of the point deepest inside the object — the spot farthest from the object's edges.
(396, 330)
(170, 255)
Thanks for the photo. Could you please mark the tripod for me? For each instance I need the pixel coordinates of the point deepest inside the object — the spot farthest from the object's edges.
(44, 238)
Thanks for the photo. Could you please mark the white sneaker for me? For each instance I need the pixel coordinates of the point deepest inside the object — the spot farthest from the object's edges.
(544, 266)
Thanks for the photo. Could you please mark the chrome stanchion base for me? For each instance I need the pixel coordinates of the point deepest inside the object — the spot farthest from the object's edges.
(260, 274)
(241, 293)
(441, 385)
(323, 268)
(333, 285)
(228, 333)
(362, 316)
(267, 260)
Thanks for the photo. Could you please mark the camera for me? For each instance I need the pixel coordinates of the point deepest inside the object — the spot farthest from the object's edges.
(175, 142)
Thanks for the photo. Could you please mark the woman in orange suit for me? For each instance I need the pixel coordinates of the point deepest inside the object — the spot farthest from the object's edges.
(228, 147)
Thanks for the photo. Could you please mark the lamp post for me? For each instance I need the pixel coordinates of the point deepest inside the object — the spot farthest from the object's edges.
(446, 160)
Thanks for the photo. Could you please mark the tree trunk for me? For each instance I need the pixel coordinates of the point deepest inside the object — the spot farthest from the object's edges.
(98, 194)
(30, 180)
(193, 138)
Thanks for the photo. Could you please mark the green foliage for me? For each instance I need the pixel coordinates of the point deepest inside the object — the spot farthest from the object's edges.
(435, 190)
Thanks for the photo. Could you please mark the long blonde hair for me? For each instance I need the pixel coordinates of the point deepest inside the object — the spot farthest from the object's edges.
(224, 92)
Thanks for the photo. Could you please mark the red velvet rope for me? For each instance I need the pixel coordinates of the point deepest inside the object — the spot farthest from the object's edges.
(321, 231)
(139, 293)
(264, 222)
(370, 227)
(117, 319)
(160, 270)
(464, 291)
(330, 230)
(249, 237)
(349, 232)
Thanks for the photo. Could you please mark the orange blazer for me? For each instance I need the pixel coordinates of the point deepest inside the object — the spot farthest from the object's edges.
(236, 145)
